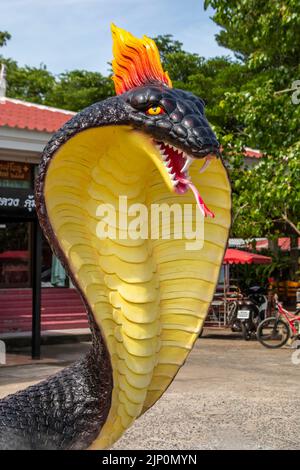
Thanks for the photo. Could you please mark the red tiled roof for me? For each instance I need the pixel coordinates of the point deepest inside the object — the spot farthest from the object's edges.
(284, 244)
(34, 117)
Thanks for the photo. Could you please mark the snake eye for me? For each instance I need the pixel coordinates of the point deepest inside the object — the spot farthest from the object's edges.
(155, 110)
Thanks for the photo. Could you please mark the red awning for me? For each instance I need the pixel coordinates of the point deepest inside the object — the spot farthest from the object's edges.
(233, 256)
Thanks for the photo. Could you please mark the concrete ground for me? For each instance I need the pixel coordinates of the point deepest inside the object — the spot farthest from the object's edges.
(230, 394)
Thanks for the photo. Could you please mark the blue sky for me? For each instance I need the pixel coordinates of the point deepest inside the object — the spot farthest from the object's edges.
(70, 34)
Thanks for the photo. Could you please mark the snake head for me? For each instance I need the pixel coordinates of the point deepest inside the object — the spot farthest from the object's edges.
(173, 116)
(179, 131)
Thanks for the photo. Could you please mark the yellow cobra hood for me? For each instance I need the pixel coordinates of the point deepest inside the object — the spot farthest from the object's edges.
(149, 297)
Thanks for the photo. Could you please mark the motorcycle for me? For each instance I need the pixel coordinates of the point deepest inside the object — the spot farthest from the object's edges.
(252, 311)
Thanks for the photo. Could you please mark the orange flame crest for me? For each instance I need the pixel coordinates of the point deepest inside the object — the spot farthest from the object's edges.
(136, 61)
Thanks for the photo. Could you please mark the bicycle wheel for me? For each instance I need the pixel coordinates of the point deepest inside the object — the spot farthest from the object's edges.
(273, 333)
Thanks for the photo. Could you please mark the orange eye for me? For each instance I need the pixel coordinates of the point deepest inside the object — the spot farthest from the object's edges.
(155, 110)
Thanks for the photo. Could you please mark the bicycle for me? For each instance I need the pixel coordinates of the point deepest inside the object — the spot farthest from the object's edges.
(274, 332)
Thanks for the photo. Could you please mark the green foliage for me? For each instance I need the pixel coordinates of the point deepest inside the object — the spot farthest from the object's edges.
(265, 33)
(4, 37)
(258, 274)
(79, 88)
(72, 90)
(265, 36)
(28, 83)
(167, 45)
(266, 197)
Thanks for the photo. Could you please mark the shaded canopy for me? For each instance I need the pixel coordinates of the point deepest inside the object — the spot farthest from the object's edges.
(233, 256)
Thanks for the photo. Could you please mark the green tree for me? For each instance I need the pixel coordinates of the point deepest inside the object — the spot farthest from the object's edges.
(4, 37)
(78, 89)
(264, 35)
(167, 45)
(31, 84)
(72, 90)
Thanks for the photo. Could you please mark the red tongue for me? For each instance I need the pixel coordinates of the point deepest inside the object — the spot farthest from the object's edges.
(200, 203)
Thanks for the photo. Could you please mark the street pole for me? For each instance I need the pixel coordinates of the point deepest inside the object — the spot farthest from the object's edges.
(36, 290)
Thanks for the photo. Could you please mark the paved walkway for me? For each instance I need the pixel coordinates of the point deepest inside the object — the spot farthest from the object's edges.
(230, 394)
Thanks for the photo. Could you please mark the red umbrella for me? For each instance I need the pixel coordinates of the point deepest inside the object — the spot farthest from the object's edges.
(233, 256)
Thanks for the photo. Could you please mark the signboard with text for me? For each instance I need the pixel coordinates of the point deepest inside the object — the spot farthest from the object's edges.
(17, 202)
(15, 171)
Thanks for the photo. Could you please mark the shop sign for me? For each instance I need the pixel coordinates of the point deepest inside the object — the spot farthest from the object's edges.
(17, 201)
(14, 171)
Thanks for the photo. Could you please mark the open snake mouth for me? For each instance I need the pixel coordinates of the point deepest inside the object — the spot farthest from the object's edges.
(177, 164)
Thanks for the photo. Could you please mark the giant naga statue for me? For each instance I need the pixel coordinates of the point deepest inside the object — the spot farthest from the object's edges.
(146, 299)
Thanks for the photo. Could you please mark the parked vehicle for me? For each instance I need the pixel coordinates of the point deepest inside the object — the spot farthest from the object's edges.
(222, 311)
(274, 332)
(251, 311)
(232, 316)
(241, 312)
